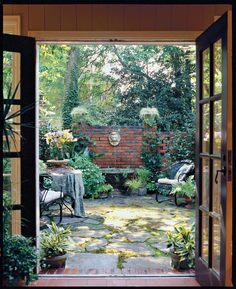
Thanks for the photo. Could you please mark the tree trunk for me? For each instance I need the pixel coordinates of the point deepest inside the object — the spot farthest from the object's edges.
(71, 87)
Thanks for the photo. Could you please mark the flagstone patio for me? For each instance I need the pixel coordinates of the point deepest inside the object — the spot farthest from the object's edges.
(123, 235)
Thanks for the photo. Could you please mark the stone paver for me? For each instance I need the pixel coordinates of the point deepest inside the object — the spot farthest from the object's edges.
(91, 233)
(137, 236)
(88, 263)
(123, 225)
(96, 244)
(69, 220)
(80, 227)
(160, 246)
(138, 248)
(91, 221)
(135, 263)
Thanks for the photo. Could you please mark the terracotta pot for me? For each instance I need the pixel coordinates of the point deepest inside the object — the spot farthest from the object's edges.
(57, 163)
(56, 261)
(188, 200)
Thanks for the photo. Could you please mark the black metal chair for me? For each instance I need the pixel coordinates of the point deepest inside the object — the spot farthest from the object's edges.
(175, 173)
(48, 197)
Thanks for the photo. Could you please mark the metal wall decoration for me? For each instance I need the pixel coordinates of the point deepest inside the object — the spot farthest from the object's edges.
(114, 138)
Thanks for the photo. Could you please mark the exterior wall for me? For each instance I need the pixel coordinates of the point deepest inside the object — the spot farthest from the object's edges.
(114, 17)
(126, 154)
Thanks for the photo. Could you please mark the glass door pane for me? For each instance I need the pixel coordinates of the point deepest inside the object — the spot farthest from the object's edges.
(217, 74)
(211, 166)
(206, 73)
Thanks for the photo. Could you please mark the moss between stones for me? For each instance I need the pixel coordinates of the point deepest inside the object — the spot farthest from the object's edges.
(158, 253)
(121, 260)
(114, 230)
(125, 255)
(108, 236)
(99, 251)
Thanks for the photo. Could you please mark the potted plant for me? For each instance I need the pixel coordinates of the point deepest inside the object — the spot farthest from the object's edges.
(54, 245)
(58, 142)
(138, 184)
(19, 255)
(133, 185)
(105, 190)
(181, 242)
(186, 189)
(19, 260)
(149, 115)
(143, 176)
(151, 187)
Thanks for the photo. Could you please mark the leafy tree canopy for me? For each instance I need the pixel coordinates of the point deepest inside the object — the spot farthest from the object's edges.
(116, 81)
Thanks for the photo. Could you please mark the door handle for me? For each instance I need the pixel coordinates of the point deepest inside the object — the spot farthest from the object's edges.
(223, 171)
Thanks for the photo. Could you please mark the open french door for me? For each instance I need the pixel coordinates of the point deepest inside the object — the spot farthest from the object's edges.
(213, 154)
(19, 162)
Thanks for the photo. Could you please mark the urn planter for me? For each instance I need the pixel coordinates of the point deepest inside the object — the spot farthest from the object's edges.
(56, 261)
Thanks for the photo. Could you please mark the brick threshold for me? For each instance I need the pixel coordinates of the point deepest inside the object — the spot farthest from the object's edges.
(96, 281)
(116, 276)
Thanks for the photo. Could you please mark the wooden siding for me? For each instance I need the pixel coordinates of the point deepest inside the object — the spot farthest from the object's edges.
(114, 17)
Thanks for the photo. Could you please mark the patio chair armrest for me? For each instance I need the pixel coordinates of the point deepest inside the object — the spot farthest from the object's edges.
(180, 177)
(42, 178)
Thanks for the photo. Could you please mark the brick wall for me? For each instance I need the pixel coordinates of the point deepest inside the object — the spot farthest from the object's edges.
(128, 152)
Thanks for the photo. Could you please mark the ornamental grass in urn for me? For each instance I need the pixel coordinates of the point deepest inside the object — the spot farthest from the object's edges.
(59, 145)
(54, 244)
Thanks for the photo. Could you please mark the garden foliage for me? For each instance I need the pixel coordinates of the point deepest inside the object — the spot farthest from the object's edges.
(92, 176)
(116, 82)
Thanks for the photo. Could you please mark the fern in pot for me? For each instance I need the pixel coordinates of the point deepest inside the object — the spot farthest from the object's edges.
(133, 185)
(186, 189)
(54, 243)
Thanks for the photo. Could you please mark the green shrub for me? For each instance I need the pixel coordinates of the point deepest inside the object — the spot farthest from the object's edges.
(19, 259)
(150, 155)
(92, 176)
(133, 184)
(42, 167)
(143, 175)
(182, 146)
(151, 186)
(44, 151)
(7, 207)
(105, 188)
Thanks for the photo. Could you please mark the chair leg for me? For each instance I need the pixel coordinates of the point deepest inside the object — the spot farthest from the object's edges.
(72, 215)
(60, 213)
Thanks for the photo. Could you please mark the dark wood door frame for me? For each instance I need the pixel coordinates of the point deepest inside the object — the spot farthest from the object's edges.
(203, 2)
(27, 49)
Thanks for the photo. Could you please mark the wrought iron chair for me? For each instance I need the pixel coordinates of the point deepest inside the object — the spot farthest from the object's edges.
(175, 173)
(48, 197)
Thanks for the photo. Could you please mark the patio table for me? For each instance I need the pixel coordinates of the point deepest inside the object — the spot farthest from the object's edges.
(70, 181)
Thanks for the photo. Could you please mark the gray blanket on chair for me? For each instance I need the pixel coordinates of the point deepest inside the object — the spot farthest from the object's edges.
(72, 185)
